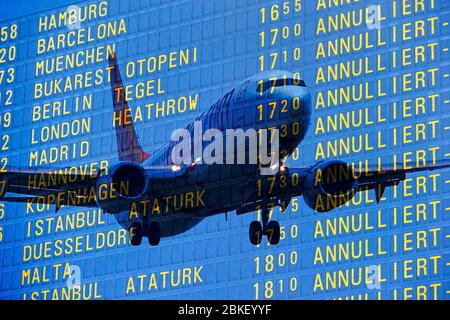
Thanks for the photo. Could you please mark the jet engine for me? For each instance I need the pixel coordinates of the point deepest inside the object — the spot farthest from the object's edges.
(124, 183)
(329, 185)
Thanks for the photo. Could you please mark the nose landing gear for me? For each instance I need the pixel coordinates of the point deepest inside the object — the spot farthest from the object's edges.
(265, 228)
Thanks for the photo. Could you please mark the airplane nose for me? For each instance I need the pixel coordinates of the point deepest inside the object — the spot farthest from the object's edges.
(299, 99)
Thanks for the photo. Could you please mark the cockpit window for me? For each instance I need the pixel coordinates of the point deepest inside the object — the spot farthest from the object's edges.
(280, 83)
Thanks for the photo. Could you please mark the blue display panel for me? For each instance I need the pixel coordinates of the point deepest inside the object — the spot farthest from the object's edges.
(378, 73)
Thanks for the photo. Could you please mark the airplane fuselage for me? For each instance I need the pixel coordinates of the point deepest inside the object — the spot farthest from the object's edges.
(273, 100)
(171, 190)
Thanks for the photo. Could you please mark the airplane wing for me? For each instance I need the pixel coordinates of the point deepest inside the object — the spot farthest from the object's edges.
(42, 182)
(50, 184)
(376, 178)
(388, 176)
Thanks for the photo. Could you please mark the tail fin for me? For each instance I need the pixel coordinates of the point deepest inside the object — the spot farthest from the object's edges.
(128, 146)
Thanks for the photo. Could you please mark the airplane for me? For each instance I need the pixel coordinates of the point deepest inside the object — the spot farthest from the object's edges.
(153, 197)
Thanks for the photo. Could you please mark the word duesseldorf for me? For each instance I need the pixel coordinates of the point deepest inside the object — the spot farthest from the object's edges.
(69, 246)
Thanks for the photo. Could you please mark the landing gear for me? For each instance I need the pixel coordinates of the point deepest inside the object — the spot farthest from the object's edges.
(273, 232)
(135, 234)
(270, 229)
(154, 234)
(255, 233)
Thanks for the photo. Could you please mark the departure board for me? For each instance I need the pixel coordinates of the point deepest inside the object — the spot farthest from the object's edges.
(378, 73)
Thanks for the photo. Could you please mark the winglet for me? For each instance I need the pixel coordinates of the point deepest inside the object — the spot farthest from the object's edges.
(128, 146)
(58, 206)
(379, 191)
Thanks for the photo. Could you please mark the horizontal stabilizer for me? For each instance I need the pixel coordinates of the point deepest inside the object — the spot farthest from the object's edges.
(379, 191)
